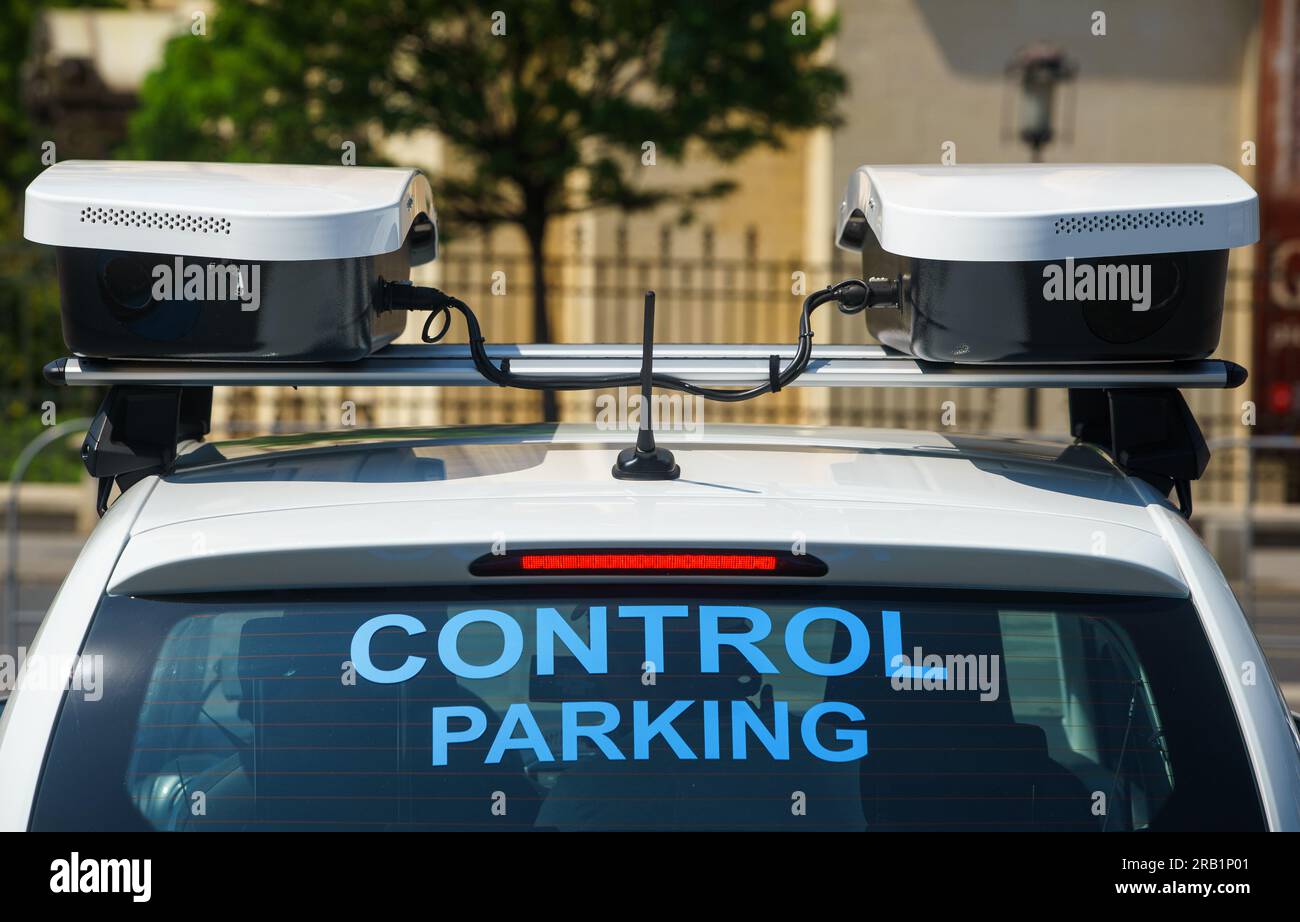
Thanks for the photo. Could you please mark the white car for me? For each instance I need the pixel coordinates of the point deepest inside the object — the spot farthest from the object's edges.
(483, 629)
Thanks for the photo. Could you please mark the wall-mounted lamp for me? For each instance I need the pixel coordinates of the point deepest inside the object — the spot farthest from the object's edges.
(1038, 70)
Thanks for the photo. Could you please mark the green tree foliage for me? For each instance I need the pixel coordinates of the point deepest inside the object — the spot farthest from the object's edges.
(30, 328)
(26, 294)
(546, 103)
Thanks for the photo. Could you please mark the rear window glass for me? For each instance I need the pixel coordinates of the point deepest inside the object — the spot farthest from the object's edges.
(604, 707)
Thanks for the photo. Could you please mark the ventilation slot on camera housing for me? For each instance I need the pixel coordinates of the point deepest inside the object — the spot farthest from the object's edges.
(154, 220)
(1128, 220)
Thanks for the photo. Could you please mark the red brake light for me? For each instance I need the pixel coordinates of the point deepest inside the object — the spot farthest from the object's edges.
(648, 562)
(658, 562)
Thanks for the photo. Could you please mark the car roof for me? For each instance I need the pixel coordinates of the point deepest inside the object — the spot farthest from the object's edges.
(766, 464)
(550, 486)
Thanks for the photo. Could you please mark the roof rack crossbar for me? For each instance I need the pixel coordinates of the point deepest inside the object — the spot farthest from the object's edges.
(1134, 411)
(715, 365)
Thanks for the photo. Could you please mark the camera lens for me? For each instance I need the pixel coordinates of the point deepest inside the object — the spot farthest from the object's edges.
(126, 283)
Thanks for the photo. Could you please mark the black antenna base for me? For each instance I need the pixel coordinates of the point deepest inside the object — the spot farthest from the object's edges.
(635, 464)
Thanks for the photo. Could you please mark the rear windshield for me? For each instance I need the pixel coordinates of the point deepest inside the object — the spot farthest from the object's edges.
(612, 708)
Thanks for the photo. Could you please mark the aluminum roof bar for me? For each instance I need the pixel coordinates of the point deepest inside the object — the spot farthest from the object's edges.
(712, 365)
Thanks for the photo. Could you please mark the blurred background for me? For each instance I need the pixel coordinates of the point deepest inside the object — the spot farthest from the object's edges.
(583, 152)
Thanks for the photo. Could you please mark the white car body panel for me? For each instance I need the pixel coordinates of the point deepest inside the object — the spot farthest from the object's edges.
(1262, 713)
(760, 464)
(880, 508)
(434, 541)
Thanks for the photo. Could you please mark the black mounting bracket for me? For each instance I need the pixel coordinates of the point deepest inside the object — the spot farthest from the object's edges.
(136, 431)
(1149, 433)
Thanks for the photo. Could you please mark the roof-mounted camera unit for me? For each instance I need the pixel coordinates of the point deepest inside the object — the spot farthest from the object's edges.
(234, 262)
(1045, 263)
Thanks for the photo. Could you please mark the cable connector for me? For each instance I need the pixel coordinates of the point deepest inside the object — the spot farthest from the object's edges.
(403, 295)
(855, 295)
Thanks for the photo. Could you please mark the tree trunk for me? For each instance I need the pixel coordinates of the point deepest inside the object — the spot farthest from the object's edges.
(541, 320)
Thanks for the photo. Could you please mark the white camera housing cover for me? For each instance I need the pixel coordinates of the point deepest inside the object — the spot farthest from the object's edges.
(1033, 212)
(243, 211)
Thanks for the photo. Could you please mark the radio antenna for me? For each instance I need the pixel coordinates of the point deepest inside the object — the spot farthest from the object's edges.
(645, 460)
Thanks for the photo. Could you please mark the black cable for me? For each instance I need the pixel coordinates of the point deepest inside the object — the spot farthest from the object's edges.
(428, 322)
(405, 296)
